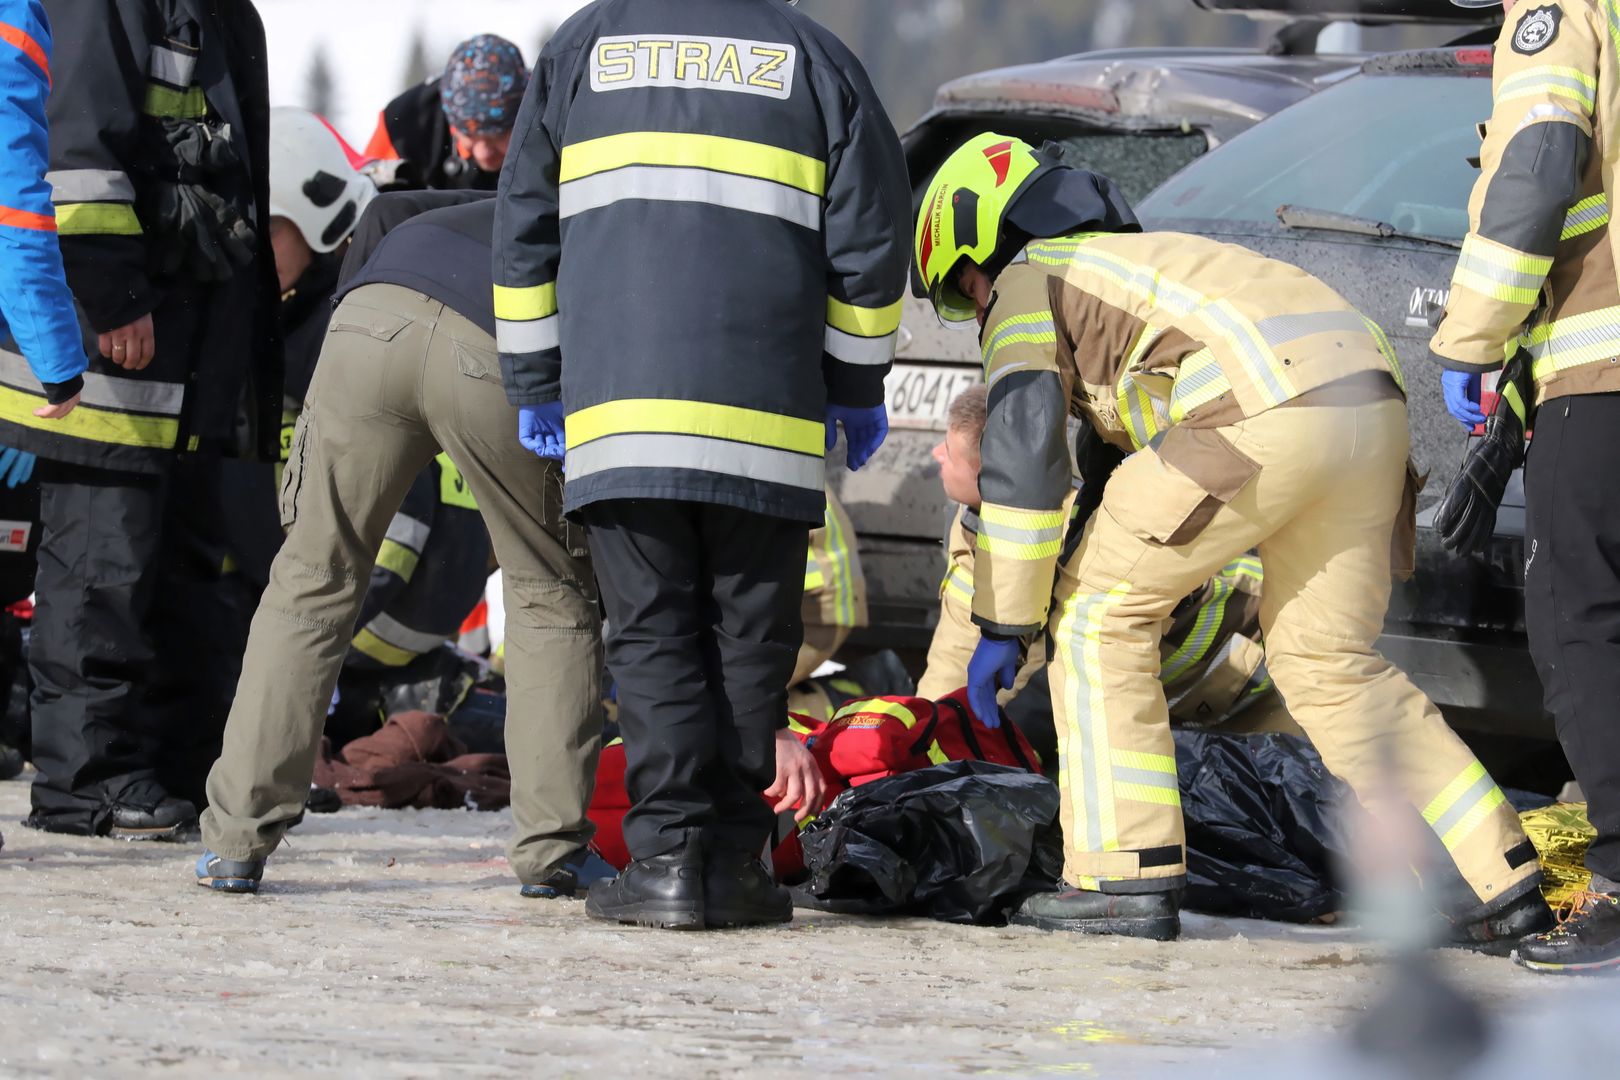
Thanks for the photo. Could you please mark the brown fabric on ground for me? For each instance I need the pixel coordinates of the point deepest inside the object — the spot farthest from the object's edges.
(414, 761)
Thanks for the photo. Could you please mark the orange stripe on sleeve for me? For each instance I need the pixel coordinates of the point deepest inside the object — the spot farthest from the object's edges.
(27, 219)
(23, 40)
(381, 147)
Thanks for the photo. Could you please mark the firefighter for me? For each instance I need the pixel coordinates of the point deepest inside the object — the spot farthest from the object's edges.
(452, 132)
(1211, 662)
(1261, 412)
(39, 335)
(696, 193)
(1537, 273)
(158, 118)
(834, 591)
(409, 370)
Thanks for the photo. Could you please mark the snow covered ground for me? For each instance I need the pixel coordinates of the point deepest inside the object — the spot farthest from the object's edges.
(394, 944)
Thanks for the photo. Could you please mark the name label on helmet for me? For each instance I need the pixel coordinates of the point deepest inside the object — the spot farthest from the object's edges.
(764, 68)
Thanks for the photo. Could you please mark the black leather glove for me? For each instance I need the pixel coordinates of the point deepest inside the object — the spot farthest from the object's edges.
(1466, 516)
(195, 234)
(197, 148)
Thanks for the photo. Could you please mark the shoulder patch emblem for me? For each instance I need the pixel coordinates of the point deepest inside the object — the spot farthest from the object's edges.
(1536, 30)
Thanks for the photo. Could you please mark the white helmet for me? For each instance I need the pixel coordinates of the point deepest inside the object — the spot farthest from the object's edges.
(313, 179)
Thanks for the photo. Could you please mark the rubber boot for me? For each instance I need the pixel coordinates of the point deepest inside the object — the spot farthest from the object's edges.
(664, 891)
(1154, 915)
(739, 891)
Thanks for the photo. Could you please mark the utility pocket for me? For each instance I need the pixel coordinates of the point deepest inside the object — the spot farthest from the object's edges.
(1403, 541)
(477, 363)
(292, 474)
(1170, 493)
(352, 318)
(570, 534)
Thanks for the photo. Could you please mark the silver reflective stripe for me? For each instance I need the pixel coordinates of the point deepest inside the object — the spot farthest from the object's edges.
(1242, 335)
(174, 68)
(1548, 111)
(90, 185)
(527, 336)
(1146, 777)
(1582, 218)
(1015, 327)
(690, 185)
(401, 636)
(408, 532)
(639, 451)
(1465, 802)
(103, 391)
(860, 350)
(1003, 371)
(1282, 329)
(1500, 275)
(998, 531)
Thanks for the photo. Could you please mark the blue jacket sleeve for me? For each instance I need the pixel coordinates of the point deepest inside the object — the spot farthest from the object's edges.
(36, 304)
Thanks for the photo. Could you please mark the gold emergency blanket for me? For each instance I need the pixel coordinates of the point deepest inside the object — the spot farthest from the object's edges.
(1561, 834)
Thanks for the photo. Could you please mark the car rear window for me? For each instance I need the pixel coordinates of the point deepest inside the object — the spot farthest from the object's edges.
(1138, 163)
(1391, 147)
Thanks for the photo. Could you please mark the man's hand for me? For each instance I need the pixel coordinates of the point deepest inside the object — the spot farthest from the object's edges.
(993, 667)
(540, 429)
(59, 410)
(130, 346)
(799, 785)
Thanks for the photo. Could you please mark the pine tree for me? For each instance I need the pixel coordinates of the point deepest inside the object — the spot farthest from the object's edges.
(320, 88)
(417, 68)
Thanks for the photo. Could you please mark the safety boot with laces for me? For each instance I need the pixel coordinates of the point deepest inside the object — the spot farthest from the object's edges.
(1585, 941)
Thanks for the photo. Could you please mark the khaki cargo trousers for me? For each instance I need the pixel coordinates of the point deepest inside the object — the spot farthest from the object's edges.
(400, 378)
(1321, 510)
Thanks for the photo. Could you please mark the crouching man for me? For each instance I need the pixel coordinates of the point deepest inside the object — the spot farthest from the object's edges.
(1264, 413)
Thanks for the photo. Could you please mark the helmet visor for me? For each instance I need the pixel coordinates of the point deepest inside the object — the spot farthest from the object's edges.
(954, 309)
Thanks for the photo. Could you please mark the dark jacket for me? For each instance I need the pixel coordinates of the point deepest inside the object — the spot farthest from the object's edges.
(123, 68)
(701, 239)
(442, 253)
(413, 129)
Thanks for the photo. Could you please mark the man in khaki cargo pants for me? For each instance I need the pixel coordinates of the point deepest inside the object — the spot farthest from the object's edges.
(402, 375)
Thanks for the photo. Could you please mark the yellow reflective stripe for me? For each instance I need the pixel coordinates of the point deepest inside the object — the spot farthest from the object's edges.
(1013, 549)
(1137, 759)
(739, 157)
(1510, 393)
(453, 489)
(1452, 792)
(1553, 81)
(97, 219)
(1202, 636)
(1083, 747)
(881, 708)
(381, 651)
(1025, 535)
(843, 575)
(1150, 794)
(90, 423)
(187, 104)
(519, 303)
(1462, 805)
(1472, 819)
(397, 559)
(1248, 566)
(959, 583)
(1033, 327)
(794, 726)
(813, 577)
(1572, 341)
(1021, 519)
(863, 321)
(1499, 272)
(1586, 216)
(700, 418)
(1199, 380)
(1388, 350)
(935, 754)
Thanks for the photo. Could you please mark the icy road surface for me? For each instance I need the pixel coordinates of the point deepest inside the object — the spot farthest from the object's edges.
(394, 944)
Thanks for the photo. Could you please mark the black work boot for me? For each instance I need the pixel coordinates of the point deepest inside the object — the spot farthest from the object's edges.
(665, 891)
(11, 762)
(1586, 940)
(168, 818)
(1498, 931)
(1154, 915)
(739, 891)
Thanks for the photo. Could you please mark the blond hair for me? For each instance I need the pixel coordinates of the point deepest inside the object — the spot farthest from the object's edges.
(966, 414)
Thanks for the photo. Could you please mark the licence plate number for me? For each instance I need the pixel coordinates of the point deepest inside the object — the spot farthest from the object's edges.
(920, 395)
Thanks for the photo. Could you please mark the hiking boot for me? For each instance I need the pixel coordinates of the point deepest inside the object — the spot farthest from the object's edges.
(229, 875)
(1154, 915)
(580, 870)
(1585, 941)
(168, 819)
(665, 891)
(1496, 933)
(739, 891)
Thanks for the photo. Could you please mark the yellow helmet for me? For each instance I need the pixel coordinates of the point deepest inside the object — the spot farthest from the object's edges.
(962, 212)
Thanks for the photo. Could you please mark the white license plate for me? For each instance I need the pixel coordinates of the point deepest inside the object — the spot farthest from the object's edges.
(920, 395)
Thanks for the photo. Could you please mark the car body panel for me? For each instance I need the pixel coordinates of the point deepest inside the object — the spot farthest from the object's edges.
(1364, 11)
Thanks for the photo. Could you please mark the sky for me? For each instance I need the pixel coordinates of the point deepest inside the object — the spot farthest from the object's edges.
(366, 43)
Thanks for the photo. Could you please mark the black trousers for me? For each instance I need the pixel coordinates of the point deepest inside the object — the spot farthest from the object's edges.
(137, 638)
(704, 629)
(1572, 597)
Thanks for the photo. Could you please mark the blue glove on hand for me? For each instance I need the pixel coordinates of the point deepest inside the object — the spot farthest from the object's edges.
(864, 431)
(16, 466)
(994, 667)
(1461, 390)
(540, 429)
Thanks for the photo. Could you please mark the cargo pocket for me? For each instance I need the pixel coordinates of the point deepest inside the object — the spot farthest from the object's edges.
(477, 363)
(1403, 541)
(355, 319)
(292, 474)
(569, 533)
(1169, 494)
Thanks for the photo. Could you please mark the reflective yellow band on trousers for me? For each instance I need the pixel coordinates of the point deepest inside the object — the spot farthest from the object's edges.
(739, 157)
(525, 302)
(1462, 805)
(1146, 777)
(843, 573)
(701, 418)
(959, 583)
(1083, 743)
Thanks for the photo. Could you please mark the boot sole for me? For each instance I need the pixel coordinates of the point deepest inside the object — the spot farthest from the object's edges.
(1158, 928)
(229, 884)
(738, 918)
(171, 832)
(655, 916)
(1543, 967)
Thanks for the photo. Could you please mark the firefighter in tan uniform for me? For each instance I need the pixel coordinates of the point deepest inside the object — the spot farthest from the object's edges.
(834, 604)
(1210, 658)
(1537, 274)
(1264, 413)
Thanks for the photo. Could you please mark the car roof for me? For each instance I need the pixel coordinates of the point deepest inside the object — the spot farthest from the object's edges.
(1221, 91)
(1365, 11)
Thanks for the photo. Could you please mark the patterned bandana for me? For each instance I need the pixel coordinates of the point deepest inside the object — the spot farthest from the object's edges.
(483, 86)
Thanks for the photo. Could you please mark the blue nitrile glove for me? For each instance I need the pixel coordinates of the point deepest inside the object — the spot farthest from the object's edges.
(864, 431)
(994, 667)
(16, 466)
(1461, 390)
(540, 429)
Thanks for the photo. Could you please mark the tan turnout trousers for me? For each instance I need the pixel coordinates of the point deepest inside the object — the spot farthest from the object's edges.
(402, 377)
(1321, 511)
